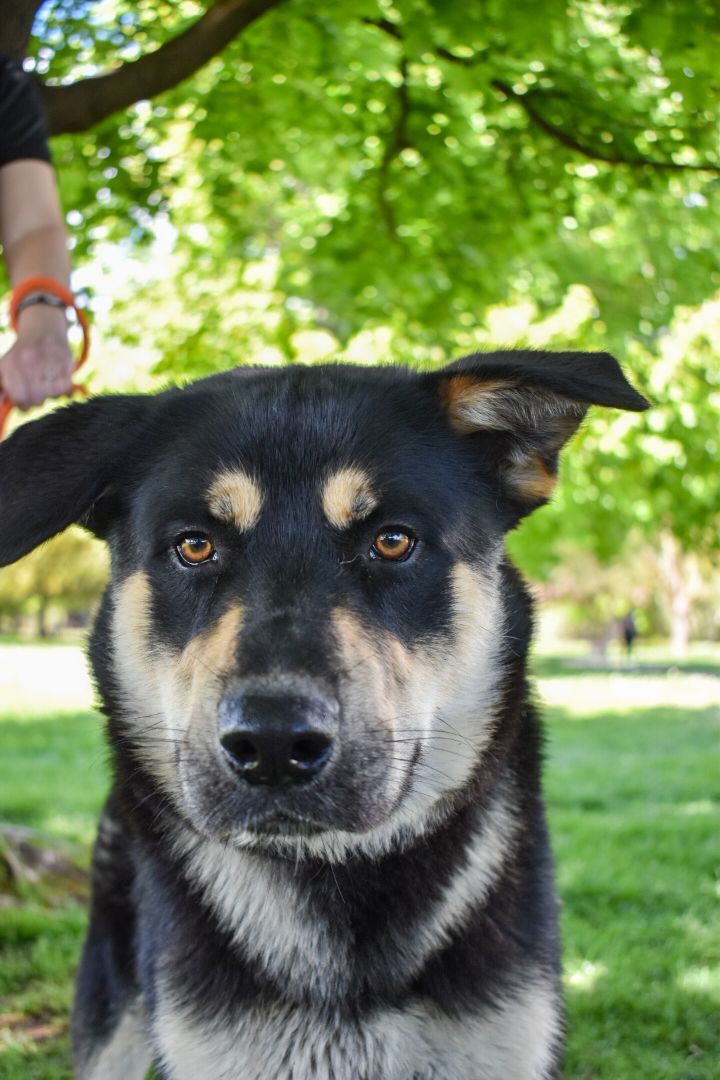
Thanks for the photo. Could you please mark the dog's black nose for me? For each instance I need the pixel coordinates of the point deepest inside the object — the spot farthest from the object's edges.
(277, 739)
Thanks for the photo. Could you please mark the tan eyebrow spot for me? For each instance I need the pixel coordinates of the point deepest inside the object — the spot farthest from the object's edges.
(348, 496)
(235, 497)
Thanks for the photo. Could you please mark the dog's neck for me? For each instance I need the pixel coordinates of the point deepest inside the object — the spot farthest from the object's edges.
(311, 926)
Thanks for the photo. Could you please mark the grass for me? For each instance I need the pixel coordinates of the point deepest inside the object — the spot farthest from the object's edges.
(634, 796)
(633, 787)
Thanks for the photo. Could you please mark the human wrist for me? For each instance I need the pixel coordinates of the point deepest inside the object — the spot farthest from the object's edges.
(51, 288)
(38, 321)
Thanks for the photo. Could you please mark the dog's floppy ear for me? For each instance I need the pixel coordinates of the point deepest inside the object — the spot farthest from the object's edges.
(527, 405)
(54, 469)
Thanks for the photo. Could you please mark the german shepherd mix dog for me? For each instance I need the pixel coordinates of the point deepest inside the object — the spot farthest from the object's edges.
(324, 855)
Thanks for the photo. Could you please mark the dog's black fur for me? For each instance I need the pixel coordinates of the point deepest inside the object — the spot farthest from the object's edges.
(393, 917)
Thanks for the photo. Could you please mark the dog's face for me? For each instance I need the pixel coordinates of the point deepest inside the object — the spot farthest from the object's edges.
(305, 617)
(305, 610)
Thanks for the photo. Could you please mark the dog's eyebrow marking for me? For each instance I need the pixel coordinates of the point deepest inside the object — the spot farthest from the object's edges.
(234, 497)
(348, 496)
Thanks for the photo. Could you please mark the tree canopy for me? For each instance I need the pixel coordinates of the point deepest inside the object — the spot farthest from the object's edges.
(408, 180)
(408, 163)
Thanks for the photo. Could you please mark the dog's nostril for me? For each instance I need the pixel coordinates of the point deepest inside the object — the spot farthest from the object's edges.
(310, 752)
(244, 753)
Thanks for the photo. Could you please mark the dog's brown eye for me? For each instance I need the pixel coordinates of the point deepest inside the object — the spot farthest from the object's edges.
(392, 544)
(195, 549)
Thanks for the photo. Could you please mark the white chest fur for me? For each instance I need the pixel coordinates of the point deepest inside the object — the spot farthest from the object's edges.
(511, 1041)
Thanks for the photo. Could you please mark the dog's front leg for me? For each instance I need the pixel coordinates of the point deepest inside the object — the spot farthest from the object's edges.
(108, 1024)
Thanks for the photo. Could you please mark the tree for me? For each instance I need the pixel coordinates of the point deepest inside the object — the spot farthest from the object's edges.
(655, 483)
(378, 179)
(408, 163)
(67, 574)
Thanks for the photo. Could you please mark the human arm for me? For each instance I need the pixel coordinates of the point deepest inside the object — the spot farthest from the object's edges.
(32, 233)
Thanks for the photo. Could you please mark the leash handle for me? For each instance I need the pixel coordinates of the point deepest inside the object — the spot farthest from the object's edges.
(6, 406)
(55, 288)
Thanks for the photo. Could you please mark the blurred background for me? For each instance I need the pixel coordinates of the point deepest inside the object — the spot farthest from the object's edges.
(275, 181)
(409, 182)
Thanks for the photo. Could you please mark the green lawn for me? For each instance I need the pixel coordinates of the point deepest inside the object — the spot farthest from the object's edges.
(633, 783)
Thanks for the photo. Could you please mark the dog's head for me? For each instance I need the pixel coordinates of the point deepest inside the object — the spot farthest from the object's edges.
(305, 630)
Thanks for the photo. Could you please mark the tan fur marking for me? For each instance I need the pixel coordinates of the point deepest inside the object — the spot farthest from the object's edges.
(383, 653)
(348, 496)
(203, 663)
(141, 669)
(170, 697)
(210, 656)
(531, 478)
(477, 629)
(468, 402)
(470, 599)
(134, 660)
(235, 497)
(132, 604)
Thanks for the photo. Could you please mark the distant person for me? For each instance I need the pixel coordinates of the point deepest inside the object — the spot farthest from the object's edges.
(34, 241)
(629, 633)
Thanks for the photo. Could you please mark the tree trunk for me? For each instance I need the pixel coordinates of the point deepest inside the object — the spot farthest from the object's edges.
(78, 106)
(680, 621)
(16, 20)
(42, 626)
(680, 581)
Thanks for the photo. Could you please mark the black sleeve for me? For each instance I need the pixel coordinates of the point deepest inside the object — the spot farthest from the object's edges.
(23, 128)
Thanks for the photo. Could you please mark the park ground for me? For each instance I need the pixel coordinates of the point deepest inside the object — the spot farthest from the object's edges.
(633, 786)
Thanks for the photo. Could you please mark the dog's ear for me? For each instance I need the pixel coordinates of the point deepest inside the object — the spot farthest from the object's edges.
(53, 470)
(525, 406)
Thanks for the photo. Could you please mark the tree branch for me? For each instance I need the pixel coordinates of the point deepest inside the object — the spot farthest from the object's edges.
(386, 26)
(82, 104)
(397, 141)
(541, 121)
(394, 31)
(587, 151)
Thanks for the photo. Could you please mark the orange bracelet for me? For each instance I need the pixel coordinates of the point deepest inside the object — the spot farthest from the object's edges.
(55, 288)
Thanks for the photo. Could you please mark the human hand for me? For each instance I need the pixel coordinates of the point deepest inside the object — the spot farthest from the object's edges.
(39, 365)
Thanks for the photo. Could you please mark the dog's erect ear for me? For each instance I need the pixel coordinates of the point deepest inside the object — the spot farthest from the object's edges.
(531, 403)
(54, 469)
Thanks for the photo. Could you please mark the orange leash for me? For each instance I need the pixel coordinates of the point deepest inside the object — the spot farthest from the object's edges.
(55, 288)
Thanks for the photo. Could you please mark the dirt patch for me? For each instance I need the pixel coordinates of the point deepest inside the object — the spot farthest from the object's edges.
(29, 864)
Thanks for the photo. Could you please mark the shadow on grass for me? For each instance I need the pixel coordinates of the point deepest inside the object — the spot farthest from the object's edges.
(634, 806)
(53, 780)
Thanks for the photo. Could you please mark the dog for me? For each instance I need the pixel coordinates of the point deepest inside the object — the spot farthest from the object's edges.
(324, 855)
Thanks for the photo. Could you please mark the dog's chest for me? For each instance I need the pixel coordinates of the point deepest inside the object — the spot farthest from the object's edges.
(511, 1041)
(276, 921)
(299, 1016)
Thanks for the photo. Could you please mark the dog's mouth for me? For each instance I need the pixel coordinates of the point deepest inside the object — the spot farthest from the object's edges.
(348, 800)
(284, 823)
